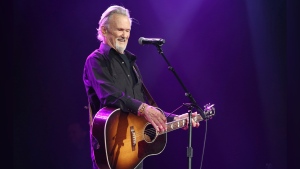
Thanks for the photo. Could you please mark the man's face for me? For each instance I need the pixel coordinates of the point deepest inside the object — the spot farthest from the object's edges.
(118, 32)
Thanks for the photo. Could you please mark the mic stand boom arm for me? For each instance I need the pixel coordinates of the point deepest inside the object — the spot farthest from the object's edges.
(190, 106)
(187, 93)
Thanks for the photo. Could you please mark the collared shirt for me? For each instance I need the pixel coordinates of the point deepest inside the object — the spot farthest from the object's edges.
(110, 81)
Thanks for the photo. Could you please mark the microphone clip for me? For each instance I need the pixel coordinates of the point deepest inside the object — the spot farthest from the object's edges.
(189, 105)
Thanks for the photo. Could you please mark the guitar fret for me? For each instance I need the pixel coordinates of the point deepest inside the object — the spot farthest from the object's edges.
(176, 124)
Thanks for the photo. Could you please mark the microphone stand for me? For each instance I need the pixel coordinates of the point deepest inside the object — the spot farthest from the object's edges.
(189, 105)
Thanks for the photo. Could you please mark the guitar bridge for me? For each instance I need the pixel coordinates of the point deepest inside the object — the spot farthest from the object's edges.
(133, 137)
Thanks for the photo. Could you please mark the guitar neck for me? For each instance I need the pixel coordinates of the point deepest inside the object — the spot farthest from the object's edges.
(174, 125)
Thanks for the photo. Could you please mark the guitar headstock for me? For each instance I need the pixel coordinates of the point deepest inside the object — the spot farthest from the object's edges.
(209, 110)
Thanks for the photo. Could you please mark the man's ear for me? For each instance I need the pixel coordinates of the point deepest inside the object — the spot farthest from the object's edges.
(103, 30)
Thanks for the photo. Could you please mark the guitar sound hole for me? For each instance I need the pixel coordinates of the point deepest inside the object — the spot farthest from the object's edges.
(149, 133)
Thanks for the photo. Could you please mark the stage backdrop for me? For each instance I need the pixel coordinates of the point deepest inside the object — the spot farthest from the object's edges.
(230, 53)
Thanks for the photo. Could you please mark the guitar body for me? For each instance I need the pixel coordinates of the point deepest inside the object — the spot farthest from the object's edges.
(124, 139)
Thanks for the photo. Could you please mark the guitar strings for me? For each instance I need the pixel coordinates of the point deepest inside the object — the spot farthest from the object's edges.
(174, 125)
(170, 127)
(152, 133)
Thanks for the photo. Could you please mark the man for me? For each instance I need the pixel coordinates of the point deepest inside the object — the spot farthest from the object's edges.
(112, 78)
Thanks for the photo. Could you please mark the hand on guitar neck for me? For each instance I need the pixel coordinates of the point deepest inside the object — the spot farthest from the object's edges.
(158, 120)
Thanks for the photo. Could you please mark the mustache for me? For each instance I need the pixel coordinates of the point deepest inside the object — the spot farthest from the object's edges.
(121, 38)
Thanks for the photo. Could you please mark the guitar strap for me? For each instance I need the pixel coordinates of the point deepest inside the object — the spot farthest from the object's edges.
(90, 116)
(150, 98)
(145, 90)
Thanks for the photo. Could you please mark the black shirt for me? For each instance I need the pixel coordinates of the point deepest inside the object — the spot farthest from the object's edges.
(110, 81)
(129, 66)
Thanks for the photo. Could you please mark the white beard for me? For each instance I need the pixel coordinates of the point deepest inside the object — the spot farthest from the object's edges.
(120, 48)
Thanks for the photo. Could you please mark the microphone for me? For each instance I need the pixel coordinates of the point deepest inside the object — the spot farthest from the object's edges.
(153, 41)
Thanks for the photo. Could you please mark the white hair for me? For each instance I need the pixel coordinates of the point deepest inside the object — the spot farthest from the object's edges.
(114, 9)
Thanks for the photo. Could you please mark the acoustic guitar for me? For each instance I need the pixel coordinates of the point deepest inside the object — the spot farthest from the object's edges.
(125, 139)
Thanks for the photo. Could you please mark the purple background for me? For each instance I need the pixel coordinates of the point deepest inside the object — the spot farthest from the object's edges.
(231, 53)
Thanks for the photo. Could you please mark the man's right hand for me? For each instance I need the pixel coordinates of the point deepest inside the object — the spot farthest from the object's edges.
(156, 118)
